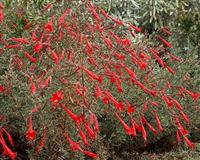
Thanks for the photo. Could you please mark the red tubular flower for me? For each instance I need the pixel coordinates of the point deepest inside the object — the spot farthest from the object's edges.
(98, 92)
(89, 46)
(135, 60)
(73, 145)
(33, 36)
(30, 134)
(1, 5)
(13, 46)
(96, 124)
(170, 70)
(143, 65)
(36, 109)
(119, 56)
(46, 82)
(48, 27)
(1, 16)
(127, 129)
(142, 87)
(37, 47)
(7, 150)
(154, 52)
(1, 88)
(145, 105)
(177, 104)
(118, 86)
(33, 87)
(134, 126)
(158, 121)
(188, 142)
(166, 99)
(92, 61)
(8, 135)
(126, 41)
(169, 103)
(167, 44)
(153, 93)
(78, 91)
(139, 84)
(56, 97)
(174, 57)
(60, 34)
(89, 131)
(184, 117)
(55, 56)
(31, 58)
(135, 28)
(194, 96)
(39, 80)
(90, 154)
(62, 55)
(108, 42)
(19, 40)
(96, 16)
(62, 17)
(104, 13)
(154, 103)
(144, 134)
(83, 137)
(91, 119)
(117, 39)
(119, 106)
(41, 144)
(129, 71)
(151, 128)
(75, 118)
(132, 33)
(181, 129)
(130, 109)
(165, 30)
(159, 60)
(119, 22)
(168, 84)
(118, 70)
(27, 26)
(91, 74)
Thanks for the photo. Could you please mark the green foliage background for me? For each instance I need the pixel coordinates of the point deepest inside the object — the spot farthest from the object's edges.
(183, 19)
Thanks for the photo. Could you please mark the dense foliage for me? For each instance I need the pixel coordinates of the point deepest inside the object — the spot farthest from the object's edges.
(76, 79)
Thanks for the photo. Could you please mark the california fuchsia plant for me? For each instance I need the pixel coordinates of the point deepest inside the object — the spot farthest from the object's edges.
(75, 61)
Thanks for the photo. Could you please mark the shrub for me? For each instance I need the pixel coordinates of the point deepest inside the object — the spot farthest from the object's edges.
(68, 65)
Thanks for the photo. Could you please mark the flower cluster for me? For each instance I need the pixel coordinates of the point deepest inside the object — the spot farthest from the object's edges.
(77, 59)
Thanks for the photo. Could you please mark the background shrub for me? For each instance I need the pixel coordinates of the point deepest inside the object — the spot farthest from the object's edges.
(67, 67)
